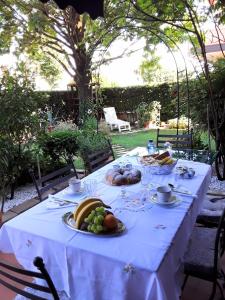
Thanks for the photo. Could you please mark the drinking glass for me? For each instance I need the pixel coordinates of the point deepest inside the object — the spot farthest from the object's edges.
(90, 187)
(144, 176)
(123, 192)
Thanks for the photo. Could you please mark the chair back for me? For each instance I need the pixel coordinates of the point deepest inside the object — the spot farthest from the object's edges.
(179, 141)
(219, 242)
(11, 278)
(110, 114)
(98, 159)
(53, 182)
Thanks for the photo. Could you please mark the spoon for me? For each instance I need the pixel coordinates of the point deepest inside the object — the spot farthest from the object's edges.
(176, 190)
(213, 200)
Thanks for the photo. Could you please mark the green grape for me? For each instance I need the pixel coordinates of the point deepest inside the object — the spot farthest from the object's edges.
(93, 212)
(100, 219)
(93, 227)
(89, 227)
(98, 209)
(96, 231)
(90, 218)
(86, 220)
(101, 209)
(96, 220)
(99, 228)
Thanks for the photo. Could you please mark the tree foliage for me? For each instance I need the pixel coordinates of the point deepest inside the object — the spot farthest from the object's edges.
(19, 115)
(49, 35)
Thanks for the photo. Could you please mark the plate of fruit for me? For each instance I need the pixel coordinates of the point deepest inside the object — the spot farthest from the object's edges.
(92, 216)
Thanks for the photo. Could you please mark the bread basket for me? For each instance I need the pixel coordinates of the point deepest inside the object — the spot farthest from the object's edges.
(161, 169)
(161, 164)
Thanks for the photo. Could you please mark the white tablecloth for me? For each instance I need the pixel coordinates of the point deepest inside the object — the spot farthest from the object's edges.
(143, 263)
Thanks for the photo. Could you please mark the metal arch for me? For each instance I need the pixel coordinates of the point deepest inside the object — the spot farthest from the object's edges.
(178, 86)
(186, 75)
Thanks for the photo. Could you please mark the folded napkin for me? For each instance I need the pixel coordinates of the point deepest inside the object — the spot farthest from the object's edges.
(54, 202)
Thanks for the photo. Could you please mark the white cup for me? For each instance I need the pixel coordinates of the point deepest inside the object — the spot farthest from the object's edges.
(75, 184)
(164, 193)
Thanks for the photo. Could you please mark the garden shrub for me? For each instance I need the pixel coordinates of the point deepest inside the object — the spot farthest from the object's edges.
(89, 139)
(148, 112)
(19, 120)
(46, 164)
(143, 114)
(65, 125)
(59, 144)
(104, 127)
(91, 142)
(197, 140)
(183, 123)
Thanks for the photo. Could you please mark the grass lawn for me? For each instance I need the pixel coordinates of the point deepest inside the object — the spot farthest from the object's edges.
(140, 139)
(132, 140)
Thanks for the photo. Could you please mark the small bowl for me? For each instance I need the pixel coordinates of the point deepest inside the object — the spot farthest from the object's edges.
(185, 172)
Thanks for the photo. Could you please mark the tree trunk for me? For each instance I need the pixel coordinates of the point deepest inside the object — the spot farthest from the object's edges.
(83, 81)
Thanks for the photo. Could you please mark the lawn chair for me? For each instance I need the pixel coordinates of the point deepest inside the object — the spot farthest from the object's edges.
(113, 121)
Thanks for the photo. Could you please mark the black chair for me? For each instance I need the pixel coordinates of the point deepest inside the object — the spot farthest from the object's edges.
(204, 252)
(53, 182)
(96, 160)
(178, 141)
(11, 278)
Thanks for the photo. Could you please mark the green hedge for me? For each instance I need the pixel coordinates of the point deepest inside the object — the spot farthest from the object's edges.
(125, 99)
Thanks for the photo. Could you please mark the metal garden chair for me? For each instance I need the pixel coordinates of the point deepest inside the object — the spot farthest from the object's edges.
(205, 250)
(96, 160)
(53, 182)
(11, 279)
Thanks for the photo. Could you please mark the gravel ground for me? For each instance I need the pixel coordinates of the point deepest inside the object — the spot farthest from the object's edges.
(22, 193)
(27, 192)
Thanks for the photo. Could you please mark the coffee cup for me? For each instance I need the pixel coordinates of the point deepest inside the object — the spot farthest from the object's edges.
(164, 193)
(75, 184)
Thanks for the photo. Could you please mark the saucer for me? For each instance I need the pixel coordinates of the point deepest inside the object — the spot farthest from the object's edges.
(70, 192)
(174, 199)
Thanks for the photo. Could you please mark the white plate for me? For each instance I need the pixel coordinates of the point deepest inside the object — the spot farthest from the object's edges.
(174, 199)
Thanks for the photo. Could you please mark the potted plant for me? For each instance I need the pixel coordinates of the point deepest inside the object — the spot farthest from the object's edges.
(143, 114)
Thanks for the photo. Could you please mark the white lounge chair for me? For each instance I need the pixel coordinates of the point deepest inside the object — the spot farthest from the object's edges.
(112, 120)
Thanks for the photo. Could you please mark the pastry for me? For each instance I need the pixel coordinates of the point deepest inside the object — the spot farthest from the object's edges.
(123, 176)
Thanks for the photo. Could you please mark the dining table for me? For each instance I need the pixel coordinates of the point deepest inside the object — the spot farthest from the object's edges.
(144, 262)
